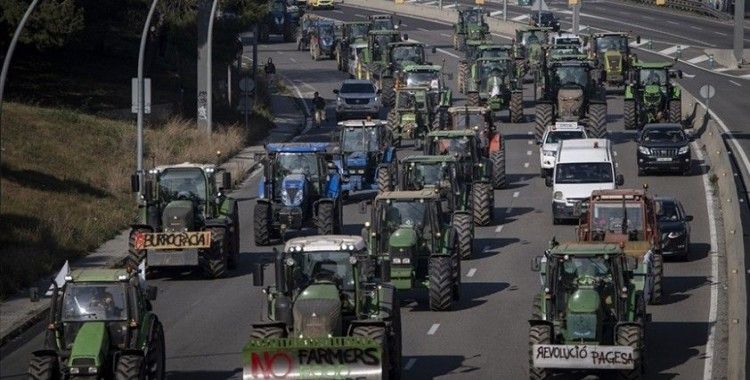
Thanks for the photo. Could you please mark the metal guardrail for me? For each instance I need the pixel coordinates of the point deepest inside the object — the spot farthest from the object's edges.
(693, 6)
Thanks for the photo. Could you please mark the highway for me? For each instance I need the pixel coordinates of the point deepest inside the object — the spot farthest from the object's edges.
(208, 321)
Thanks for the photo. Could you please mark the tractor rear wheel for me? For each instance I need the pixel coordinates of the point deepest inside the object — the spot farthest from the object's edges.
(472, 99)
(157, 354)
(441, 282)
(44, 367)
(516, 107)
(388, 92)
(234, 238)
(384, 179)
(543, 118)
(267, 332)
(455, 40)
(462, 224)
(463, 68)
(498, 169)
(631, 336)
(598, 120)
(461, 43)
(130, 367)
(378, 334)
(481, 203)
(216, 262)
(656, 287)
(135, 256)
(324, 220)
(539, 334)
(262, 224)
(675, 111)
(628, 114)
(392, 125)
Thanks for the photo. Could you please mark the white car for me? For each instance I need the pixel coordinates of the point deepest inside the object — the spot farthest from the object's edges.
(550, 143)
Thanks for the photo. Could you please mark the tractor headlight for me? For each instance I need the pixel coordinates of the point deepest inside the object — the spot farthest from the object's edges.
(558, 195)
(396, 260)
(644, 150)
(93, 370)
(684, 149)
(675, 234)
(292, 200)
(75, 370)
(406, 260)
(549, 153)
(361, 171)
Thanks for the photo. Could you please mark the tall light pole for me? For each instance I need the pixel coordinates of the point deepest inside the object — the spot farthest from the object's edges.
(141, 101)
(739, 29)
(209, 84)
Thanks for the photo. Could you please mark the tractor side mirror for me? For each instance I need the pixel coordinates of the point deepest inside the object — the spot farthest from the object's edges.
(619, 180)
(336, 91)
(135, 183)
(638, 40)
(406, 37)
(226, 180)
(151, 292)
(679, 73)
(434, 49)
(536, 263)
(258, 274)
(548, 181)
(688, 218)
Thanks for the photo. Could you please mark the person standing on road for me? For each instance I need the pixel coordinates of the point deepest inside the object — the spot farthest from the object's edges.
(319, 104)
(270, 70)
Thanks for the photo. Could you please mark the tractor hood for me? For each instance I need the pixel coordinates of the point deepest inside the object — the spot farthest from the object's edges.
(582, 316)
(404, 237)
(178, 215)
(584, 300)
(356, 160)
(90, 346)
(612, 61)
(652, 95)
(293, 189)
(570, 101)
(317, 311)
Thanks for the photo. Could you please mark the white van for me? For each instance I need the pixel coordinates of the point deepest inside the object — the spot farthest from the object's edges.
(583, 165)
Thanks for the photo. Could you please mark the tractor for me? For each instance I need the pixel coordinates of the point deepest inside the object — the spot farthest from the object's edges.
(352, 33)
(651, 96)
(432, 77)
(278, 20)
(572, 91)
(490, 140)
(493, 84)
(368, 161)
(415, 245)
(186, 219)
(304, 31)
(474, 51)
(413, 115)
(471, 26)
(323, 40)
(376, 61)
(101, 326)
(611, 52)
(589, 313)
(444, 175)
(300, 187)
(464, 144)
(326, 316)
(630, 218)
(530, 45)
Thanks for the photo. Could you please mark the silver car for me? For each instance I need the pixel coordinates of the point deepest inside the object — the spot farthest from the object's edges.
(357, 99)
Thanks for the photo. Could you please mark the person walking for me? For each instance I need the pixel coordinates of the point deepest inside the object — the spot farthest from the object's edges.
(319, 104)
(270, 70)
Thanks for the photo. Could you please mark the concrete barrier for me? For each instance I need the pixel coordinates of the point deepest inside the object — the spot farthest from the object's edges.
(724, 176)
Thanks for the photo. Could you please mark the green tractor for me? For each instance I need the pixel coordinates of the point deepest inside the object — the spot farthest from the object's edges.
(352, 33)
(465, 145)
(471, 26)
(415, 245)
(650, 95)
(572, 90)
(490, 140)
(611, 52)
(326, 316)
(474, 51)
(433, 78)
(494, 84)
(589, 313)
(383, 22)
(444, 175)
(377, 61)
(101, 326)
(413, 116)
(186, 219)
(530, 47)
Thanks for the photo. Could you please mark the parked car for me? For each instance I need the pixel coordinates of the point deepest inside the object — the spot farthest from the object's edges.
(548, 20)
(674, 225)
(663, 147)
(357, 98)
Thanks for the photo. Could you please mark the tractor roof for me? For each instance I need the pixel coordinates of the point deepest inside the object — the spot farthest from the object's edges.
(611, 34)
(405, 43)
(360, 44)
(469, 109)
(383, 32)
(413, 68)
(618, 194)
(653, 65)
(184, 165)
(570, 62)
(356, 23)
(418, 194)
(361, 123)
(476, 42)
(97, 275)
(494, 59)
(322, 243)
(452, 133)
(297, 147)
(381, 17)
(429, 159)
(586, 249)
(413, 89)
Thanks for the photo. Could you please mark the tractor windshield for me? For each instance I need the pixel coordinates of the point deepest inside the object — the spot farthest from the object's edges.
(495, 53)
(572, 75)
(460, 147)
(614, 218)
(360, 140)
(617, 43)
(297, 163)
(408, 212)
(382, 24)
(584, 172)
(582, 268)
(423, 79)
(493, 69)
(408, 53)
(86, 302)
(468, 120)
(326, 31)
(278, 7)
(473, 16)
(358, 30)
(327, 265)
(531, 38)
(182, 183)
(653, 76)
(380, 43)
(438, 174)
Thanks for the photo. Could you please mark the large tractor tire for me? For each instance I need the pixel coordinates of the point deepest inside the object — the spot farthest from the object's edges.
(157, 354)
(516, 107)
(631, 336)
(539, 334)
(462, 224)
(216, 262)
(388, 92)
(657, 287)
(44, 367)
(135, 256)
(379, 335)
(392, 125)
(472, 99)
(598, 121)
(130, 367)
(536, 307)
(628, 114)
(324, 221)
(463, 69)
(234, 238)
(498, 169)
(267, 332)
(455, 41)
(440, 272)
(481, 203)
(461, 43)
(543, 118)
(675, 111)
(262, 224)
(384, 179)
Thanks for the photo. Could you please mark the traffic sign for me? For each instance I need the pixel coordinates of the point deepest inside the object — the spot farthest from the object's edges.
(707, 91)
(573, 2)
(661, 2)
(247, 85)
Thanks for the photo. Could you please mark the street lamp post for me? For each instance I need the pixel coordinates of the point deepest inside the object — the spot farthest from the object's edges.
(141, 101)
(209, 84)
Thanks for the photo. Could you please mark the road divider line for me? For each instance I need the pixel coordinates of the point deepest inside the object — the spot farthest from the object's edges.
(360, 15)
(499, 229)
(471, 273)
(449, 6)
(531, 142)
(525, 164)
(698, 59)
(292, 59)
(528, 153)
(433, 329)
(520, 18)
(448, 53)
(446, 35)
(516, 194)
(423, 29)
(735, 83)
(410, 363)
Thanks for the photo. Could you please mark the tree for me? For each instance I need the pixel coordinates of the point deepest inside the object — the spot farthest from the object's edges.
(53, 23)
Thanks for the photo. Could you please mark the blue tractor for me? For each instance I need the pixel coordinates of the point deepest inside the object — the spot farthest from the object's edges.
(301, 187)
(367, 160)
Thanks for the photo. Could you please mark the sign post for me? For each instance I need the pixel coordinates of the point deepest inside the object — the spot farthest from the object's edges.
(576, 4)
(707, 92)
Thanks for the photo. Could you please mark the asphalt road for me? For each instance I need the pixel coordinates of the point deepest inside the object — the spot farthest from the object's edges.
(208, 321)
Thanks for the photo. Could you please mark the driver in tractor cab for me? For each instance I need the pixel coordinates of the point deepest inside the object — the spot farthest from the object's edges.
(392, 218)
(653, 78)
(471, 17)
(326, 270)
(186, 189)
(419, 179)
(103, 299)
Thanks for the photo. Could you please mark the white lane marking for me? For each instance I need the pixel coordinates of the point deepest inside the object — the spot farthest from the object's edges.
(446, 35)
(495, 13)
(450, 6)
(647, 17)
(409, 364)
(292, 59)
(448, 53)
(360, 15)
(525, 164)
(672, 49)
(688, 75)
(471, 273)
(721, 34)
(430, 3)
(735, 83)
(530, 133)
(433, 329)
(520, 18)
(516, 194)
(531, 142)
(673, 22)
(498, 229)
(528, 153)
(338, 11)
(695, 27)
(615, 153)
(423, 29)
(303, 101)
(698, 59)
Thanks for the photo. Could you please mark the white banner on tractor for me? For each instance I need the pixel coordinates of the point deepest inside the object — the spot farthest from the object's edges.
(583, 356)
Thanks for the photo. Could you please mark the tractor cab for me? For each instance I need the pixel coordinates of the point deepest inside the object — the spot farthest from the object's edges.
(495, 51)
(406, 53)
(604, 42)
(378, 42)
(355, 31)
(431, 77)
(382, 22)
(462, 144)
(471, 23)
(366, 154)
(441, 173)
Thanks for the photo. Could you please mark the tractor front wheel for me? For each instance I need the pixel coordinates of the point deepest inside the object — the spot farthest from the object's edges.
(378, 334)
(675, 111)
(157, 355)
(441, 282)
(656, 285)
(516, 107)
(44, 367)
(384, 179)
(130, 367)
(217, 257)
(539, 334)
(598, 120)
(262, 224)
(628, 114)
(269, 332)
(389, 94)
(498, 169)
(463, 69)
(481, 203)
(631, 336)
(324, 220)
(234, 238)
(542, 119)
(462, 224)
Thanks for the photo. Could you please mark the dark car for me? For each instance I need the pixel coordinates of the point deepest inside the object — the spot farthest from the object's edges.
(663, 147)
(674, 225)
(548, 20)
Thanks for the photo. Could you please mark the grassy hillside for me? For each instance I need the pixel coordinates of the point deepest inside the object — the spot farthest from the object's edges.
(65, 182)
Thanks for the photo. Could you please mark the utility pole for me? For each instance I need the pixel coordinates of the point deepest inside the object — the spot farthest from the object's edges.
(576, 16)
(739, 30)
(9, 54)
(141, 102)
(505, 10)
(203, 84)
